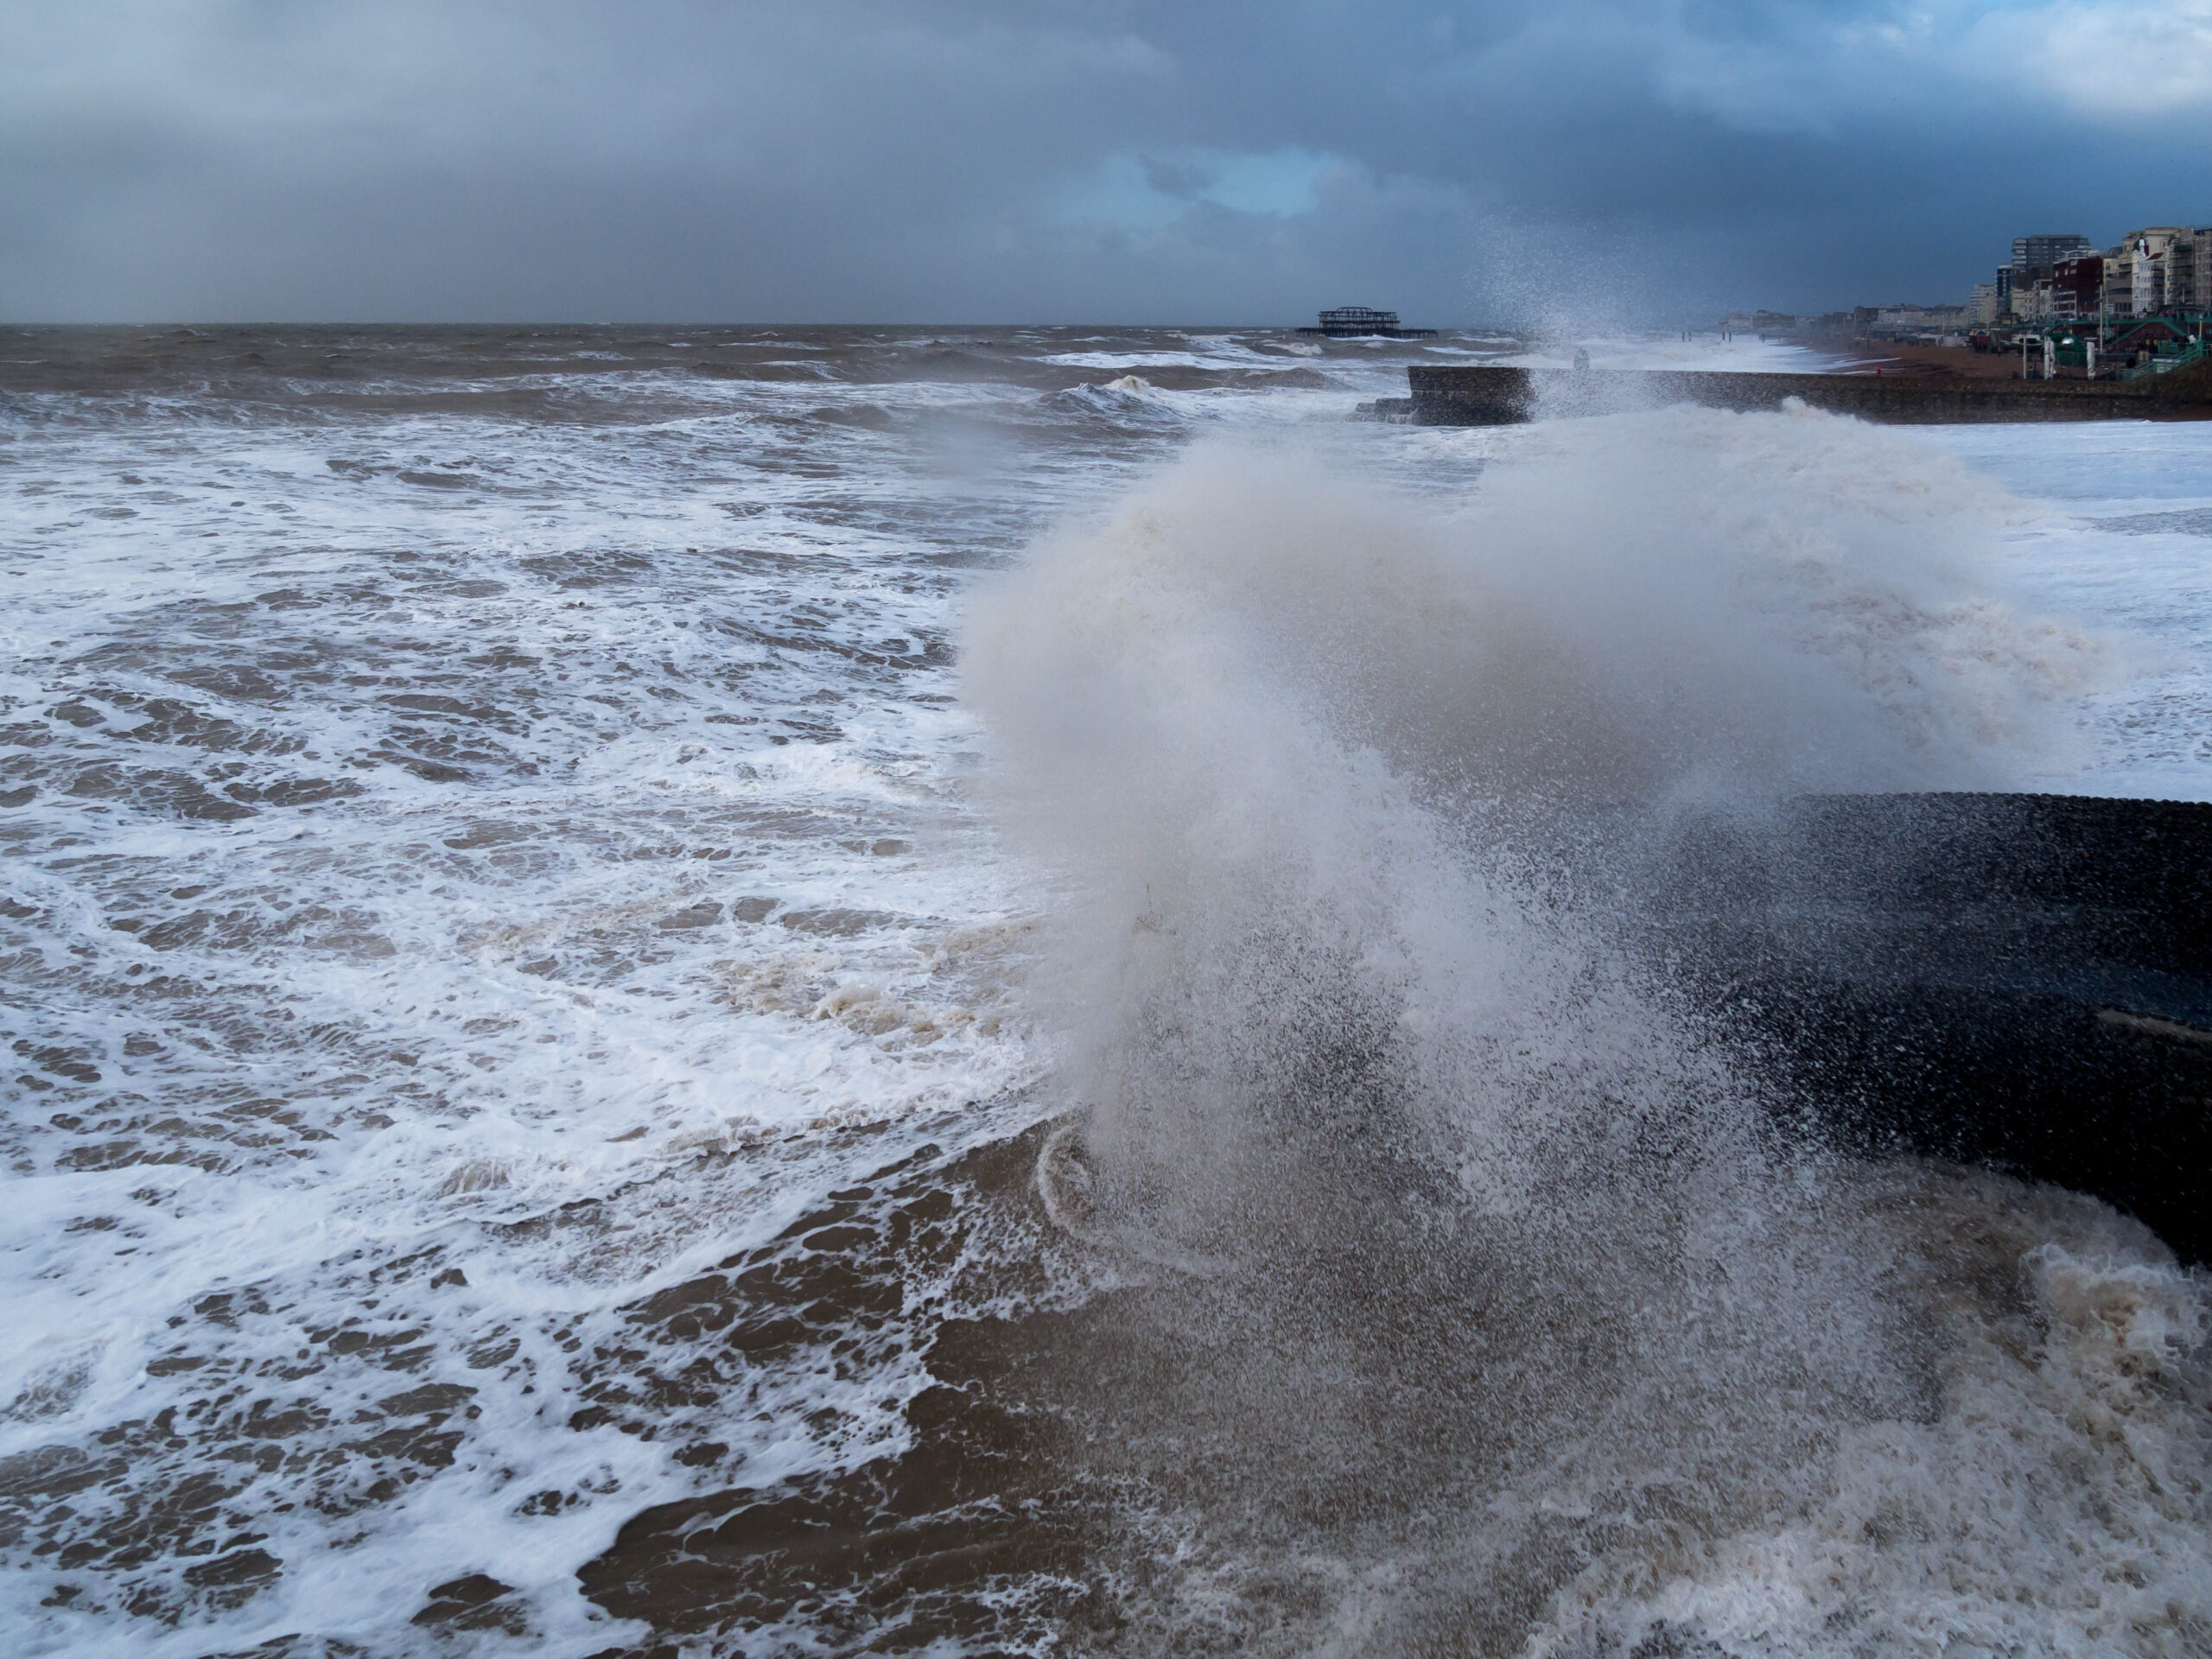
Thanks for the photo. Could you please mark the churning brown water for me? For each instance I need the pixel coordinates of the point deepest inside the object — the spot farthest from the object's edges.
(729, 991)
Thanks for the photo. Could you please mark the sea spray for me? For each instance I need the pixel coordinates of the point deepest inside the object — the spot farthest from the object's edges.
(1486, 1292)
(1299, 741)
(438, 756)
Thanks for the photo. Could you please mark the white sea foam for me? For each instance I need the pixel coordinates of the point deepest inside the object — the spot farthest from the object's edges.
(1702, 352)
(539, 867)
(537, 849)
(2052, 1502)
(2118, 534)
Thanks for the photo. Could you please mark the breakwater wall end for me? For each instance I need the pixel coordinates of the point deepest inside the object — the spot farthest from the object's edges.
(2020, 981)
(1504, 396)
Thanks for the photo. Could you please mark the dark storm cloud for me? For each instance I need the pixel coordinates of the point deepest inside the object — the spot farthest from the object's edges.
(974, 160)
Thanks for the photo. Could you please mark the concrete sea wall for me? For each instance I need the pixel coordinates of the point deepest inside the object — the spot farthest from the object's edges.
(1500, 396)
(2023, 981)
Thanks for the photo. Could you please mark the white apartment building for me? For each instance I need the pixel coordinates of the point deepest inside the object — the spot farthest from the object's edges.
(2135, 270)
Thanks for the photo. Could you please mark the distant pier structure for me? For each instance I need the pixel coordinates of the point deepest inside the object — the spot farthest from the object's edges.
(1360, 322)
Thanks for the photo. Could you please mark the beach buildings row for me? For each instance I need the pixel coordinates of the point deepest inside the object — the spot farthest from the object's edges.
(2052, 280)
(2161, 270)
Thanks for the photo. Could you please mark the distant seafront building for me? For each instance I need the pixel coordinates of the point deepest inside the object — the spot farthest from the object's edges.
(2146, 300)
(2135, 271)
(1930, 323)
(2026, 288)
(2029, 251)
(2158, 270)
(2189, 274)
(1363, 322)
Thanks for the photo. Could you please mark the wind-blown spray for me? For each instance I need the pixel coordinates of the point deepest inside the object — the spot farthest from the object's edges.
(1524, 1318)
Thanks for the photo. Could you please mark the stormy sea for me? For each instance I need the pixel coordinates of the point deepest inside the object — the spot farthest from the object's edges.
(996, 991)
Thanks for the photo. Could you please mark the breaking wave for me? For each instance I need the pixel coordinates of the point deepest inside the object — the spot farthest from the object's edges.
(1477, 1294)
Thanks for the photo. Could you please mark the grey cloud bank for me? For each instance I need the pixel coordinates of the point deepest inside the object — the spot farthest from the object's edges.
(963, 159)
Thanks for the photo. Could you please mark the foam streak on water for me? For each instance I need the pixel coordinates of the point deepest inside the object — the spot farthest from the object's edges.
(485, 836)
(532, 972)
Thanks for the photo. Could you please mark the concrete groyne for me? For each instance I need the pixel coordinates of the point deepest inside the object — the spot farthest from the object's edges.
(2020, 981)
(1503, 397)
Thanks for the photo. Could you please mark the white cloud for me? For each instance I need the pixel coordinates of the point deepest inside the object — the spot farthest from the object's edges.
(2118, 62)
(1818, 70)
